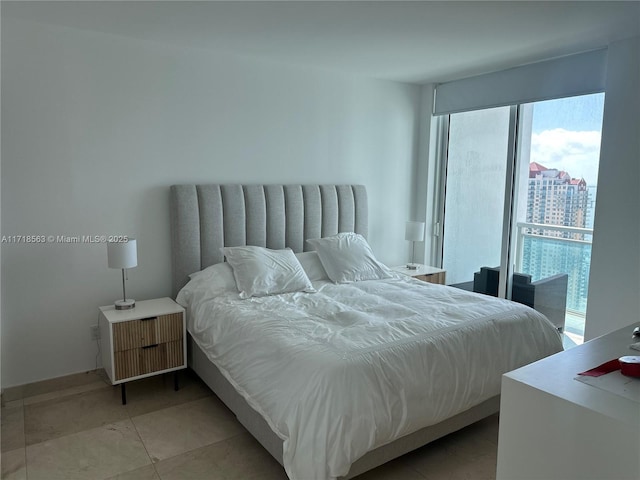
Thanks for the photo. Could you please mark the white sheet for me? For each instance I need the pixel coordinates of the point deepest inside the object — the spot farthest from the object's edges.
(352, 367)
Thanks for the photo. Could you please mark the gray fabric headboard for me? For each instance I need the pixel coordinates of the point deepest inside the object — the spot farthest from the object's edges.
(205, 218)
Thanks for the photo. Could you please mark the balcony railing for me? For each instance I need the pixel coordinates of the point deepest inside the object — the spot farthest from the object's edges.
(542, 255)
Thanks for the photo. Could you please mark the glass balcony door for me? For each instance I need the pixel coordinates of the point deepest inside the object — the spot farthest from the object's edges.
(519, 201)
(555, 202)
(476, 169)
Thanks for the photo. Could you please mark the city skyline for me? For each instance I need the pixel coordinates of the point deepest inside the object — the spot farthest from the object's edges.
(556, 197)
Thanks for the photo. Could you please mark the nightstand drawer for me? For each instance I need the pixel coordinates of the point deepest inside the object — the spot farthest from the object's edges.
(438, 278)
(147, 331)
(148, 359)
(424, 273)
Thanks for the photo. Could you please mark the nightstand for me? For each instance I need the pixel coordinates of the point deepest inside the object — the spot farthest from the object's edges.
(146, 340)
(424, 273)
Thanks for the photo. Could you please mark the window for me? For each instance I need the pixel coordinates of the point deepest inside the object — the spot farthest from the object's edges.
(545, 174)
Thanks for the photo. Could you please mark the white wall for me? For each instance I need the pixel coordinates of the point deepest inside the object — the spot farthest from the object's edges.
(614, 282)
(96, 127)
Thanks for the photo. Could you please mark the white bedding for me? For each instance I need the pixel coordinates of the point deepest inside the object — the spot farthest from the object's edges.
(352, 367)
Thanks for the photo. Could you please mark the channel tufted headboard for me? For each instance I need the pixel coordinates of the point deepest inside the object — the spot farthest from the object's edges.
(205, 218)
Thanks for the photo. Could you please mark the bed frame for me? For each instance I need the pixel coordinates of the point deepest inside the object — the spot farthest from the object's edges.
(205, 218)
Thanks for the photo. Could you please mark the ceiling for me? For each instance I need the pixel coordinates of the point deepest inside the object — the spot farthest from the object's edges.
(416, 41)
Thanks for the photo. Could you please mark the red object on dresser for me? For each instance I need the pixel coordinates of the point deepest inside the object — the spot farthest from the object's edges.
(630, 366)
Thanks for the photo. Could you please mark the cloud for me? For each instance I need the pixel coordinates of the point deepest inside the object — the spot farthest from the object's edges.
(576, 152)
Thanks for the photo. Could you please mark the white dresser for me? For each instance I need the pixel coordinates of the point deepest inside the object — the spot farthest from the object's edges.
(555, 427)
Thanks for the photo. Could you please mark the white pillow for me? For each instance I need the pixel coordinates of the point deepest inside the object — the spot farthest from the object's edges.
(260, 271)
(312, 265)
(214, 280)
(221, 273)
(347, 257)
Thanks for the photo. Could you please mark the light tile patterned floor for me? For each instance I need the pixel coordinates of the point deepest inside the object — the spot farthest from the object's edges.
(76, 428)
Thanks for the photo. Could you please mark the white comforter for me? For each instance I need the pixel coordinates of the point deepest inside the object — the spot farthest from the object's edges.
(352, 367)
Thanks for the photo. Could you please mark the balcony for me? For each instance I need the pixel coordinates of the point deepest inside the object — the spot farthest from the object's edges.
(544, 250)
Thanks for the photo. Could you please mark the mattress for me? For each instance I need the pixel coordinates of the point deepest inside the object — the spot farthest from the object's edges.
(355, 366)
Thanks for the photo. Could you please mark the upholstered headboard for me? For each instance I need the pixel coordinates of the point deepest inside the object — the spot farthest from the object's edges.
(205, 218)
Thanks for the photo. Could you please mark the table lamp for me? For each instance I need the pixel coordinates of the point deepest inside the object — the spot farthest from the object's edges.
(123, 255)
(414, 232)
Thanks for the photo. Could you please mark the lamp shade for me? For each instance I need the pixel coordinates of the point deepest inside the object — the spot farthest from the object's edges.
(122, 254)
(414, 231)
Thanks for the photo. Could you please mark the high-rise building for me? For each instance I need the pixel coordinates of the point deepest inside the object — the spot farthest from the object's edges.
(554, 198)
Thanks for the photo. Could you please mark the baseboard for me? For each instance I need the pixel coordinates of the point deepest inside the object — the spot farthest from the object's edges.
(19, 392)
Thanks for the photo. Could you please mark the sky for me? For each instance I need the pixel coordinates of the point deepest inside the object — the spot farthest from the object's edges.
(566, 135)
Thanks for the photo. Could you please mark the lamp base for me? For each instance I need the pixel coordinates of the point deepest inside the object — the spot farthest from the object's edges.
(125, 304)
(411, 266)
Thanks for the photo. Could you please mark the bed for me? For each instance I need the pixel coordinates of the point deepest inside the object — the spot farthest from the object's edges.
(347, 390)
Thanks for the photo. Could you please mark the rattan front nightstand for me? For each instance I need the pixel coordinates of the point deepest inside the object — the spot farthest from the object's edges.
(424, 273)
(147, 340)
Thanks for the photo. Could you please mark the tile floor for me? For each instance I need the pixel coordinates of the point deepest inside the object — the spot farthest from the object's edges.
(76, 428)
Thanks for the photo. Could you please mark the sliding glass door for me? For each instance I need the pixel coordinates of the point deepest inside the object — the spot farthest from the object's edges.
(555, 204)
(475, 193)
(519, 203)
